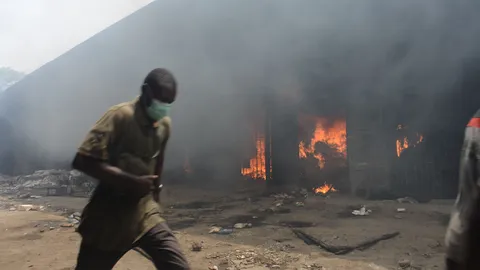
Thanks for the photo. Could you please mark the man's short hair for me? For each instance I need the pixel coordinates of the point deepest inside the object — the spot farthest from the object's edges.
(161, 79)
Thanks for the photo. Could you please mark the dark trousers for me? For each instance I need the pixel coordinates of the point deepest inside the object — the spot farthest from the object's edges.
(159, 243)
(452, 265)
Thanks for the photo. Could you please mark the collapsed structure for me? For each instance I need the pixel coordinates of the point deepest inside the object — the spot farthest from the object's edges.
(46, 182)
(354, 141)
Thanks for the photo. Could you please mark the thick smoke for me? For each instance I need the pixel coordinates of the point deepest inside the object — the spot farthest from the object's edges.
(227, 55)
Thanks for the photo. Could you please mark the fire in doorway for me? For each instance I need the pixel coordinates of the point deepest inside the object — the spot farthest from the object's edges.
(322, 143)
(256, 166)
(407, 139)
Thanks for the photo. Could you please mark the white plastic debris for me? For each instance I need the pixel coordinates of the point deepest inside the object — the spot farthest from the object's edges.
(242, 225)
(25, 207)
(215, 229)
(30, 207)
(361, 212)
(407, 200)
(401, 210)
(299, 204)
(282, 196)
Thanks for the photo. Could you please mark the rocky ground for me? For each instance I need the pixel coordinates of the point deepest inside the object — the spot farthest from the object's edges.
(242, 230)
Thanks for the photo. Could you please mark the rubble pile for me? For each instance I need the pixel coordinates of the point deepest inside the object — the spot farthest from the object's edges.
(5, 179)
(47, 178)
(6, 184)
(38, 180)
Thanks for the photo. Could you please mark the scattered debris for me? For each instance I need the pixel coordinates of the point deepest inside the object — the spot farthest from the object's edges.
(220, 230)
(242, 225)
(362, 211)
(27, 196)
(341, 250)
(40, 180)
(214, 229)
(28, 207)
(225, 231)
(299, 204)
(24, 196)
(73, 221)
(282, 196)
(268, 258)
(315, 267)
(196, 247)
(213, 267)
(436, 244)
(407, 200)
(427, 255)
(404, 263)
(74, 218)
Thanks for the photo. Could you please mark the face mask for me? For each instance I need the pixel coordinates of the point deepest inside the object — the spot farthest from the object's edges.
(157, 110)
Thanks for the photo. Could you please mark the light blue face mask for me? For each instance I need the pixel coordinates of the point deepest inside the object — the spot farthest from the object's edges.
(157, 110)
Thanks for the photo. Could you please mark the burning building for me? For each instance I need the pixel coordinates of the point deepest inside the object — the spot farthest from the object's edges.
(355, 120)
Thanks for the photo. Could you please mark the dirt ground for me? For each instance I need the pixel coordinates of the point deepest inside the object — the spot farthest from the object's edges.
(37, 240)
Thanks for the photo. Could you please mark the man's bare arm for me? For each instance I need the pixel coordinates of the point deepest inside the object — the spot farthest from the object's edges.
(113, 176)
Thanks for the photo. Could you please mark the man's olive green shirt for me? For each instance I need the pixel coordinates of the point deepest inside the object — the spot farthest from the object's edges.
(124, 137)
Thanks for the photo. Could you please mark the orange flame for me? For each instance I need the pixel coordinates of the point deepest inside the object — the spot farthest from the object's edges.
(401, 146)
(256, 169)
(334, 135)
(404, 143)
(324, 189)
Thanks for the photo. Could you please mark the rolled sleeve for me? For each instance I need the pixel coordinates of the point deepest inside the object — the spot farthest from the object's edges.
(102, 134)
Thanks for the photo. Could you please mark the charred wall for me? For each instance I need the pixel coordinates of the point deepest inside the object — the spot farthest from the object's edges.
(370, 146)
(284, 143)
(433, 168)
(428, 168)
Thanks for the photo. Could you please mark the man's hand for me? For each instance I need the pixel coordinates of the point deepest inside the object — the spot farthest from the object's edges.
(145, 184)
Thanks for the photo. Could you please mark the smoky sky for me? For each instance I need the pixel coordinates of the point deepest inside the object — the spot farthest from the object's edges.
(228, 55)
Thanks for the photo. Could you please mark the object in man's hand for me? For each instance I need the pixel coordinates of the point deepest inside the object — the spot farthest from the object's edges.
(156, 193)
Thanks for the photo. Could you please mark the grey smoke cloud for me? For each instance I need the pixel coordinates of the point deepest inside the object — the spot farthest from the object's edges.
(227, 54)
